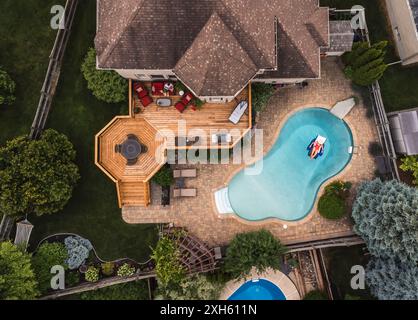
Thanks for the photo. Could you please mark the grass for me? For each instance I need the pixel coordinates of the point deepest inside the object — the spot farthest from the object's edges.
(92, 212)
(399, 83)
(339, 263)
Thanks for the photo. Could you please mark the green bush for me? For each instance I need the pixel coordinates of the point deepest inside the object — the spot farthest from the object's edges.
(137, 290)
(108, 268)
(410, 164)
(7, 89)
(316, 295)
(260, 95)
(332, 204)
(259, 249)
(92, 274)
(107, 86)
(126, 270)
(17, 279)
(364, 64)
(164, 177)
(47, 256)
(72, 279)
(37, 176)
(167, 259)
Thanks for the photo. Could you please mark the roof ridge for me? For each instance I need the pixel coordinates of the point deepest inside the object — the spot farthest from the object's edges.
(109, 49)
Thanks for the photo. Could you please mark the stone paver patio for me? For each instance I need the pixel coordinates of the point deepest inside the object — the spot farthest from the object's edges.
(199, 214)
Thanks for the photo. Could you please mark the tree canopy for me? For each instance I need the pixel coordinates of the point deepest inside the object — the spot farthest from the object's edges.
(365, 64)
(17, 279)
(38, 176)
(106, 85)
(390, 279)
(260, 94)
(7, 89)
(385, 216)
(259, 249)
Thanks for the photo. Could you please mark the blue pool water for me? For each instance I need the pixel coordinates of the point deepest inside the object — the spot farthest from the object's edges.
(289, 182)
(260, 290)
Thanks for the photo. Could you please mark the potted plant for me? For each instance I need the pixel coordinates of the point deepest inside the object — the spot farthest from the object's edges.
(197, 104)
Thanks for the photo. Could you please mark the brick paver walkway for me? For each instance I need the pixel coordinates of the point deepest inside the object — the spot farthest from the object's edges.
(198, 215)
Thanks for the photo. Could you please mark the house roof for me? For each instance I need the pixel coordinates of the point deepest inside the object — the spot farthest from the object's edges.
(341, 36)
(171, 34)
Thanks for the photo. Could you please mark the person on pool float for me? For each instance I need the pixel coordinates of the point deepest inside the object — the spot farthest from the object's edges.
(316, 148)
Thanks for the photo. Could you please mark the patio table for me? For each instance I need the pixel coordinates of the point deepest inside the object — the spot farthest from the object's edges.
(163, 102)
(131, 149)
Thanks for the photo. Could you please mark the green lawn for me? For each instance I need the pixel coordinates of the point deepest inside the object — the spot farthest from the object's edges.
(399, 83)
(26, 41)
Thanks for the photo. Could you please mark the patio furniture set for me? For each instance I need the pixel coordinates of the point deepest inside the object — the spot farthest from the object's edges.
(131, 149)
(162, 90)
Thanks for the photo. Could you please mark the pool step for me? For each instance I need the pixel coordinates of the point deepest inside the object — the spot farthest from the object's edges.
(222, 201)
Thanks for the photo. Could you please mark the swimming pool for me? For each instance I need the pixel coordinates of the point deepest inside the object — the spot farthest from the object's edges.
(258, 290)
(289, 182)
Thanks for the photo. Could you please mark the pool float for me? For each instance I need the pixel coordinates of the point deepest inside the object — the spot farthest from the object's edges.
(316, 147)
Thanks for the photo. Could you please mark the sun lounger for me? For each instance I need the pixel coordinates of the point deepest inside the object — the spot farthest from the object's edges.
(343, 108)
(177, 193)
(186, 173)
(238, 112)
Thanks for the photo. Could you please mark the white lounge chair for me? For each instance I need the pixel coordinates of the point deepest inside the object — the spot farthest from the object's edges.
(238, 112)
(186, 173)
(343, 108)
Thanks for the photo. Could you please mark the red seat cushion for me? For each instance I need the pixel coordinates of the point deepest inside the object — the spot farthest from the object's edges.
(146, 101)
(140, 90)
(157, 88)
(187, 98)
(180, 106)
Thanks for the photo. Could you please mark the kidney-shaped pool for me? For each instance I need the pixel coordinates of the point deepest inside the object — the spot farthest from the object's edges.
(288, 185)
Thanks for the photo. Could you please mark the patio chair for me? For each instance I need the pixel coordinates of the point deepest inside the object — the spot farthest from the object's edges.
(144, 148)
(184, 193)
(132, 137)
(180, 107)
(118, 148)
(146, 101)
(157, 88)
(140, 90)
(132, 162)
(185, 100)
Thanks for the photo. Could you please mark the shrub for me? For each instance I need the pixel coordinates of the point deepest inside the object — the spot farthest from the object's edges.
(47, 256)
(37, 176)
(167, 259)
(332, 204)
(92, 274)
(17, 279)
(137, 290)
(179, 86)
(107, 86)
(126, 270)
(385, 216)
(364, 64)
(197, 287)
(108, 268)
(259, 249)
(7, 89)
(164, 177)
(72, 279)
(78, 251)
(410, 164)
(316, 295)
(261, 93)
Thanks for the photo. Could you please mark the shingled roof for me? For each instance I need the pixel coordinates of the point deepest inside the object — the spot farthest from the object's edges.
(214, 46)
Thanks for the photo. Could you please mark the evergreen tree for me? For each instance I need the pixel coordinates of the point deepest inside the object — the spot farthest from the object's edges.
(390, 279)
(7, 88)
(386, 217)
(364, 64)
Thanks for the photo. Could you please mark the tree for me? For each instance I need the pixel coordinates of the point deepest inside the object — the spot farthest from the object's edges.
(410, 164)
(391, 279)
(7, 88)
(365, 64)
(167, 258)
(385, 216)
(261, 94)
(253, 249)
(332, 204)
(37, 176)
(164, 177)
(17, 279)
(197, 287)
(106, 85)
(47, 256)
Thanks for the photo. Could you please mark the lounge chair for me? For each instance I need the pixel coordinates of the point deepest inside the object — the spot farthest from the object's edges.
(177, 193)
(146, 101)
(140, 90)
(185, 100)
(157, 88)
(186, 173)
(238, 112)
